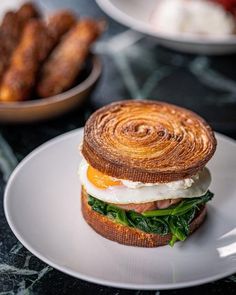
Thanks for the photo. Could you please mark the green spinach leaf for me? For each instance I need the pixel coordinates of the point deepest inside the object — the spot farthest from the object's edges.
(174, 220)
(181, 208)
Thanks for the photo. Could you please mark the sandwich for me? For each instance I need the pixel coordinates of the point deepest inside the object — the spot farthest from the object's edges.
(143, 173)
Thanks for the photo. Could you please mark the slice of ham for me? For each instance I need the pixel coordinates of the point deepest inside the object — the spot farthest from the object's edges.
(167, 203)
(140, 208)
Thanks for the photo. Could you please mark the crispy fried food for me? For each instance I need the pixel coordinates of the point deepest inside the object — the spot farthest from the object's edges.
(10, 32)
(9, 36)
(59, 23)
(61, 69)
(37, 41)
(20, 77)
(27, 11)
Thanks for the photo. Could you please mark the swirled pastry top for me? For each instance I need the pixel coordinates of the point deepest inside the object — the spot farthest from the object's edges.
(147, 141)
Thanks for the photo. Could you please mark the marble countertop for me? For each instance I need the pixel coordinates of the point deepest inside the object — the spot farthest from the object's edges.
(133, 67)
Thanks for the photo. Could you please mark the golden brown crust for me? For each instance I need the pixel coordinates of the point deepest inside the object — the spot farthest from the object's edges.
(20, 77)
(67, 58)
(11, 29)
(60, 23)
(35, 44)
(147, 141)
(9, 37)
(126, 235)
(28, 11)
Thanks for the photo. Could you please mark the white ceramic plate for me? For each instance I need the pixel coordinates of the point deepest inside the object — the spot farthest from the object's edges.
(42, 206)
(136, 14)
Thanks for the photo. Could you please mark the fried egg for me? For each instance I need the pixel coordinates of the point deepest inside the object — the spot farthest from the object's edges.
(117, 191)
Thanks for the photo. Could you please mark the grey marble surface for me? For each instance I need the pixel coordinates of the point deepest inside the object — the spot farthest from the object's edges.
(133, 67)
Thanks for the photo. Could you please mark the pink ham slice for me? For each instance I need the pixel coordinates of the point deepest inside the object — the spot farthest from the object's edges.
(140, 208)
(167, 203)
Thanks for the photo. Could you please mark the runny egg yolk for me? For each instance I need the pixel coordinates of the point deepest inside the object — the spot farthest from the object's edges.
(101, 180)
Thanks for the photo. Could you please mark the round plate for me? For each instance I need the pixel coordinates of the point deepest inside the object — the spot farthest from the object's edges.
(136, 14)
(41, 109)
(42, 207)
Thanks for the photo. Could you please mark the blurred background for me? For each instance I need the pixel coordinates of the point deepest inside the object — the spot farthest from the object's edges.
(134, 65)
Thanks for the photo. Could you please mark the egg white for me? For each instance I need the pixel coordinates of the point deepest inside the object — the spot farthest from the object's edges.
(125, 195)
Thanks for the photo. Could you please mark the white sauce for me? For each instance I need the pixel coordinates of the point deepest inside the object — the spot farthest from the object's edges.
(179, 184)
(192, 16)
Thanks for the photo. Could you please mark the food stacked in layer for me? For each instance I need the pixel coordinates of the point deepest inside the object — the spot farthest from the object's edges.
(144, 180)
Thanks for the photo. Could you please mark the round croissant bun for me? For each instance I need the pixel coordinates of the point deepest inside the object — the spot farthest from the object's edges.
(147, 141)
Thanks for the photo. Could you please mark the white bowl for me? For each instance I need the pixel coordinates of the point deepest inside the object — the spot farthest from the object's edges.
(136, 15)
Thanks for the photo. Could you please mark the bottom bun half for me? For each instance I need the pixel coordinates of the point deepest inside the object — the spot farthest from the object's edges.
(127, 235)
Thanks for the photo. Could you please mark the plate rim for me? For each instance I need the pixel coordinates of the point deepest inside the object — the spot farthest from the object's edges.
(73, 273)
(120, 16)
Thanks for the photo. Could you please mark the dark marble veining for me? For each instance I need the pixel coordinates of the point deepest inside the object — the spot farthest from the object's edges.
(133, 67)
